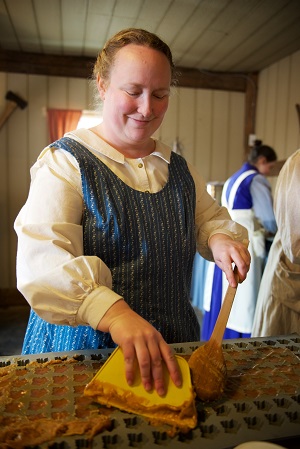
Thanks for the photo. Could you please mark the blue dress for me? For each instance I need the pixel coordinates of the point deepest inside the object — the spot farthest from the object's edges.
(147, 241)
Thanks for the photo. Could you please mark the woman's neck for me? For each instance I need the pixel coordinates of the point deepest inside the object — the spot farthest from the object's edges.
(135, 151)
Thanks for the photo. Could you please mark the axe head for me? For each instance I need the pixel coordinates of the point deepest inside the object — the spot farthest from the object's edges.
(16, 99)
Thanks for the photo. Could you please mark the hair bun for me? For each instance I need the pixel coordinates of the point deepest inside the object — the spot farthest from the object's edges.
(257, 142)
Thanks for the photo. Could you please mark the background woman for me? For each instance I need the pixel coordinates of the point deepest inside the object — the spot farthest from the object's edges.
(248, 197)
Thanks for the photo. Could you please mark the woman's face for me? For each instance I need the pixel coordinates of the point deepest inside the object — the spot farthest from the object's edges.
(264, 167)
(135, 98)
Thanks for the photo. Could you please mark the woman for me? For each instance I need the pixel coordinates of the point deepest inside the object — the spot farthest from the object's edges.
(278, 303)
(107, 237)
(248, 197)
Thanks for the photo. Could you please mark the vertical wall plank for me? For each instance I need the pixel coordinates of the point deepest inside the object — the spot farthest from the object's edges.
(281, 112)
(279, 91)
(236, 120)
(77, 93)
(220, 135)
(169, 128)
(38, 136)
(203, 132)
(271, 106)
(4, 202)
(186, 123)
(17, 127)
(57, 92)
(293, 126)
(261, 115)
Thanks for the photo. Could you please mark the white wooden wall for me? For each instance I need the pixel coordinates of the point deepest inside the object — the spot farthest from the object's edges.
(276, 118)
(208, 125)
(22, 138)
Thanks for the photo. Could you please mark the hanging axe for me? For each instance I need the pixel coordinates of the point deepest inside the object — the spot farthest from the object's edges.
(13, 102)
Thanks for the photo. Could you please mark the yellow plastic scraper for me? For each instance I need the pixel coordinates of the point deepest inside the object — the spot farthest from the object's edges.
(176, 408)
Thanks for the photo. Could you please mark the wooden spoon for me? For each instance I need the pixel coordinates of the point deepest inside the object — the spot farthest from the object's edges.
(207, 363)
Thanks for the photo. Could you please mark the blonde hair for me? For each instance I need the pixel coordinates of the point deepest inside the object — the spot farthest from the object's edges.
(137, 36)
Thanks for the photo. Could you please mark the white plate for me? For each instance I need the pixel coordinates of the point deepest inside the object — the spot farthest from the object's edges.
(258, 445)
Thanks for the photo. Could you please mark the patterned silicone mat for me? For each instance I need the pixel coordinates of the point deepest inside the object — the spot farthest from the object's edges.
(261, 401)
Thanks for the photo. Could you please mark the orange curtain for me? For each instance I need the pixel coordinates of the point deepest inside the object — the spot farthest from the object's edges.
(61, 121)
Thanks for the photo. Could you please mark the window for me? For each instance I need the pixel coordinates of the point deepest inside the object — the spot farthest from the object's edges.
(89, 119)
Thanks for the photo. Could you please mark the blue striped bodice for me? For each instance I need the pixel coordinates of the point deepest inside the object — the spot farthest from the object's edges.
(148, 242)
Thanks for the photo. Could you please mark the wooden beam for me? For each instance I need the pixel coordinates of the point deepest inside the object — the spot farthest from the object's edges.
(82, 67)
(204, 79)
(51, 65)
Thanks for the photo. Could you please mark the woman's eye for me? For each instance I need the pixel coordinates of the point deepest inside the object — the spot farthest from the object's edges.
(161, 95)
(132, 94)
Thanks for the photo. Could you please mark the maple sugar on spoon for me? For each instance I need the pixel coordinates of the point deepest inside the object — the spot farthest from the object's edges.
(207, 363)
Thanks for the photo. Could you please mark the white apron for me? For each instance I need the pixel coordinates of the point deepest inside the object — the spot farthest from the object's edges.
(243, 308)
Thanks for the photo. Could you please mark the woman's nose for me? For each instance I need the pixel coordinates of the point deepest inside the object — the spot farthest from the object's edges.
(145, 106)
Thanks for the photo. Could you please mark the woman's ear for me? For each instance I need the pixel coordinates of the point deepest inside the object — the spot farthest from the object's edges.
(261, 160)
(101, 87)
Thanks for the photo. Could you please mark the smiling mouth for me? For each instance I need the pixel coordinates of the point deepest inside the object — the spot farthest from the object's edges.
(141, 121)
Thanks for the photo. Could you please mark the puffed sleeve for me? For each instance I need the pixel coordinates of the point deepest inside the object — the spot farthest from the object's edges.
(61, 284)
(286, 206)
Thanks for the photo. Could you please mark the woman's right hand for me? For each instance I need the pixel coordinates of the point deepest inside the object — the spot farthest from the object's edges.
(227, 252)
(141, 344)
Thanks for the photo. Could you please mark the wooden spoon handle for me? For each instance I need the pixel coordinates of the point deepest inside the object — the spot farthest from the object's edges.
(219, 329)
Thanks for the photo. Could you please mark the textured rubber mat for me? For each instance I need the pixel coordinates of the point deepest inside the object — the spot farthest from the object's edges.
(261, 400)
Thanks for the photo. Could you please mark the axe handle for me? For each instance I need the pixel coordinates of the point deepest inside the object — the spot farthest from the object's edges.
(298, 112)
(9, 109)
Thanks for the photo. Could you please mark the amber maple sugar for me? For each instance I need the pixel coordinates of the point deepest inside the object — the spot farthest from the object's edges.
(263, 371)
(38, 403)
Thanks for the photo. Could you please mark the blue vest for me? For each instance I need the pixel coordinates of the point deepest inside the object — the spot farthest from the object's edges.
(243, 197)
(147, 241)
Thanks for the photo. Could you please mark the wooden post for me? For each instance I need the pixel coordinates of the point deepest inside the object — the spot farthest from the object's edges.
(250, 108)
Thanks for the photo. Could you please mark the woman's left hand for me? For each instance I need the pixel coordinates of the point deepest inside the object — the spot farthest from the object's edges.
(227, 252)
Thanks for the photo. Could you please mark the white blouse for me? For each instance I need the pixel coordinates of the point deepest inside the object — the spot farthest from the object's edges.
(61, 284)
